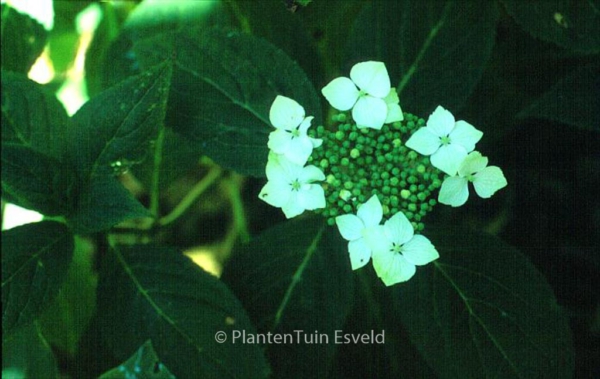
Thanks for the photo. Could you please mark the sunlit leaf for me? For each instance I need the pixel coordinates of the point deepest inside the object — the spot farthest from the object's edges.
(156, 293)
(35, 260)
(483, 310)
(435, 51)
(295, 276)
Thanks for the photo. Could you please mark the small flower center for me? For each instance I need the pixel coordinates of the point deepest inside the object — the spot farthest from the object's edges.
(362, 93)
(295, 184)
(396, 248)
(294, 132)
(445, 140)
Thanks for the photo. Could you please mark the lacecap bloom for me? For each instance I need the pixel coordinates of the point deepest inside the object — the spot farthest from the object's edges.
(368, 93)
(289, 138)
(352, 228)
(486, 180)
(397, 250)
(292, 187)
(446, 140)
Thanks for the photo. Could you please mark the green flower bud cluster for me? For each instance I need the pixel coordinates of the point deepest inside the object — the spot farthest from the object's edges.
(360, 163)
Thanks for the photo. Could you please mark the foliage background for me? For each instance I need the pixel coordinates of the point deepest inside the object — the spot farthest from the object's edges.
(525, 73)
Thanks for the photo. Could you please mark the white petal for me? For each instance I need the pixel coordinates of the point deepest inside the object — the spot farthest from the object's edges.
(488, 181)
(341, 93)
(454, 191)
(350, 226)
(448, 158)
(424, 141)
(276, 194)
(311, 197)
(298, 150)
(305, 125)
(371, 77)
(419, 251)
(293, 207)
(370, 212)
(472, 164)
(311, 174)
(465, 135)
(376, 239)
(274, 169)
(394, 113)
(369, 111)
(440, 122)
(360, 254)
(284, 169)
(286, 113)
(316, 142)
(399, 229)
(278, 140)
(399, 270)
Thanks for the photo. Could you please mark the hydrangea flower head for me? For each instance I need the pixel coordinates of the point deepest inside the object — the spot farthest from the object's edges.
(446, 140)
(292, 187)
(368, 93)
(486, 180)
(289, 137)
(397, 250)
(352, 228)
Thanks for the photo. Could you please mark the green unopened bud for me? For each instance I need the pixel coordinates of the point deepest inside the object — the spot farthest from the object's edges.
(324, 163)
(330, 179)
(339, 135)
(354, 153)
(405, 194)
(420, 169)
(345, 195)
(345, 161)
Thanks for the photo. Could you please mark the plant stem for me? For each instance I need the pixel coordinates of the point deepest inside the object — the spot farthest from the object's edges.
(232, 186)
(155, 190)
(191, 197)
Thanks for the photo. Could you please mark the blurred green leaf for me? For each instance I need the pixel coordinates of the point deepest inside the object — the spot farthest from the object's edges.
(143, 363)
(23, 40)
(152, 292)
(223, 86)
(435, 51)
(572, 24)
(301, 280)
(32, 116)
(483, 310)
(35, 260)
(26, 354)
(573, 101)
(36, 181)
(65, 321)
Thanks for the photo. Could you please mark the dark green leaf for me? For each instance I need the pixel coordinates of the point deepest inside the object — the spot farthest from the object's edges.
(144, 363)
(283, 29)
(35, 181)
(103, 203)
(27, 355)
(223, 86)
(32, 116)
(484, 311)
(35, 260)
(435, 51)
(573, 101)
(295, 276)
(23, 40)
(156, 293)
(572, 24)
(115, 128)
